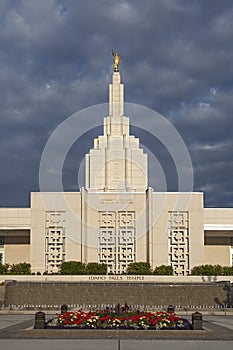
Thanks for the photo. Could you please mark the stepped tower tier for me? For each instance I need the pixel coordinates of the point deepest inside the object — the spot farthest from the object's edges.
(116, 163)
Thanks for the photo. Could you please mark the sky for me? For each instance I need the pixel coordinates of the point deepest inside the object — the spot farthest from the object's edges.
(55, 60)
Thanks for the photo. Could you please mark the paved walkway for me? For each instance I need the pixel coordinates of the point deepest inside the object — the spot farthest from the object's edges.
(10, 320)
(16, 332)
(220, 320)
(9, 344)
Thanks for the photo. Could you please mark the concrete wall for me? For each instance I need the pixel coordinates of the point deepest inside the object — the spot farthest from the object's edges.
(15, 218)
(41, 203)
(218, 217)
(217, 255)
(17, 253)
(16, 247)
(162, 204)
(81, 214)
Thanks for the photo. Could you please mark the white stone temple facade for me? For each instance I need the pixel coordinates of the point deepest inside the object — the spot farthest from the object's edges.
(116, 218)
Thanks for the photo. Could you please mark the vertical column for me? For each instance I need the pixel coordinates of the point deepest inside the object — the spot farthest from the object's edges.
(116, 96)
(107, 168)
(87, 170)
(83, 226)
(128, 167)
(149, 213)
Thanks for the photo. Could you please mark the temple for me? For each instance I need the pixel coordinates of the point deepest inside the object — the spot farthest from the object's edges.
(116, 218)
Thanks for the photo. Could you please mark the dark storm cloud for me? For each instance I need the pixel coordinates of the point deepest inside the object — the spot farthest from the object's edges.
(56, 59)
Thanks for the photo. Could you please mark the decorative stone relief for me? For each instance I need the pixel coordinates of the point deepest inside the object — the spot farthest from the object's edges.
(107, 219)
(178, 239)
(54, 240)
(126, 219)
(116, 241)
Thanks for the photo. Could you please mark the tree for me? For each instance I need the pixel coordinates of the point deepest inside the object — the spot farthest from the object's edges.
(93, 268)
(20, 269)
(139, 268)
(72, 268)
(163, 270)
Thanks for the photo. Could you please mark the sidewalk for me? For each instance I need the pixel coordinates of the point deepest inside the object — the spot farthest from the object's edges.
(105, 344)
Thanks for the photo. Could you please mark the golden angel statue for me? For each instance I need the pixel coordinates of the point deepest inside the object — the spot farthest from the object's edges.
(117, 60)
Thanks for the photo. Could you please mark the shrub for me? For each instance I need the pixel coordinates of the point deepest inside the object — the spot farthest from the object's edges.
(4, 269)
(212, 270)
(72, 268)
(20, 269)
(163, 270)
(227, 270)
(93, 268)
(139, 268)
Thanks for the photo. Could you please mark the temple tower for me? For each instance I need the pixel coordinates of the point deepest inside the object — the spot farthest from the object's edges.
(116, 163)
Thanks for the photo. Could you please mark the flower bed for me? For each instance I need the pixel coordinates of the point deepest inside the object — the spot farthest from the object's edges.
(127, 320)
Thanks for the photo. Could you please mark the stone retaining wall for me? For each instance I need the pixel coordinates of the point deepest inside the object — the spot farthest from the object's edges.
(49, 294)
(2, 294)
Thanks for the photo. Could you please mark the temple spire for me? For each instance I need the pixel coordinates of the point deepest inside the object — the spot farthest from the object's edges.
(117, 61)
(116, 163)
(116, 91)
